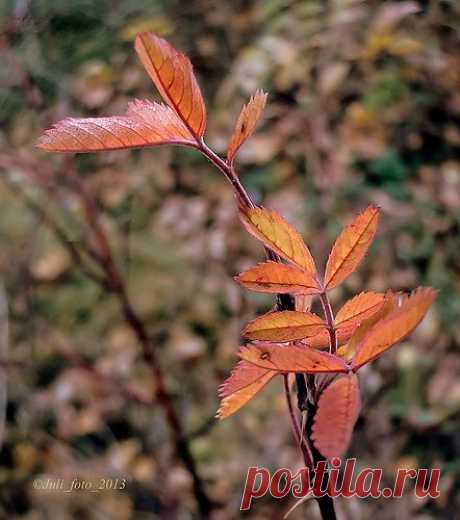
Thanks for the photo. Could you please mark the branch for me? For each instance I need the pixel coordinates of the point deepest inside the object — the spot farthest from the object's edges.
(117, 286)
(329, 315)
(286, 302)
(113, 281)
(301, 442)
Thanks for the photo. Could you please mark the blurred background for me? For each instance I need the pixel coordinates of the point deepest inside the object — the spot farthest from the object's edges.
(363, 107)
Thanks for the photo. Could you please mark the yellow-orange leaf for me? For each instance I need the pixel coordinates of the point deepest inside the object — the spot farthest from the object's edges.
(279, 236)
(145, 124)
(247, 121)
(395, 326)
(291, 358)
(245, 381)
(359, 308)
(284, 326)
(273, 277)
(321, 340)
(335, 418)
(351, 246)
(173, 76)
(389, 304)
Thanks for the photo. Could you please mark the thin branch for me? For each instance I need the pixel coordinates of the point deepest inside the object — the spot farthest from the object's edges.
(113, 280)
(118, 288)
(286, 302)
(230, 173)
(296, 427)
(59, 232)
(329, 315)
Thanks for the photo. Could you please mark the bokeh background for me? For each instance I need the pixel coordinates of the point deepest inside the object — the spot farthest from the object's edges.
(364, 106)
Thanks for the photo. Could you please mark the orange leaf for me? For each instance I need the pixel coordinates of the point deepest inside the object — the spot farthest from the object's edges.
(351, 246)
(335, 418)
(284, 326)
(321, 340)
(358, 309)
(246, 124)
(173, 76)
(389, 304)
(145, 124)
(272, 277)
(395, 326)
(291, 358)
(279, 236)
(245, 381)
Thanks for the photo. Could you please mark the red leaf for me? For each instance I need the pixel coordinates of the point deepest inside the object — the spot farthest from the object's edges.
(272, 277)
(284, 326)
(246, 124)
(145, 124)
(351, 246)
(279, 236)
(291, 358)
(337, 413)
(394, 327)
(173, 76)
(245, 381)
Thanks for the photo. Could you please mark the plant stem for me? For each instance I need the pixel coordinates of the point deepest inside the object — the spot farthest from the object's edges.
(230, 174)
(296, 427)
(329, 315)
(326, 507)
(285, 302)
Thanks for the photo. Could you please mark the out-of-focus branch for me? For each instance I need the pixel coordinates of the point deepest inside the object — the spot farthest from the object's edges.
(4, 335)
(63, 238)
(116, 284)
(111, 279)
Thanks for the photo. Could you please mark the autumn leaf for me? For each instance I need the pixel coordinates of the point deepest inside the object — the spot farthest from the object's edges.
(145, 124)
(337, 412)
(394, 327)
(291, 358)
(358, 309)
(389, 304)
(273, 277)
(351, 246)
(245, 381)
(350, 316)
(173, 76)
(246, 123)
(284, 326)
(321, 340)
(279, 236)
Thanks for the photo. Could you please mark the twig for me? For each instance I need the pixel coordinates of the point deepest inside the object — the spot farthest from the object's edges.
(113, 281)
(296, 427)
(117, 286)
(329, 315)
(285, 302)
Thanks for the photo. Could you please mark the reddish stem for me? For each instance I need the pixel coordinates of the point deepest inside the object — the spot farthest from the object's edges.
(117, 285)
(326, 503)
(295, 425)
(329, 315)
